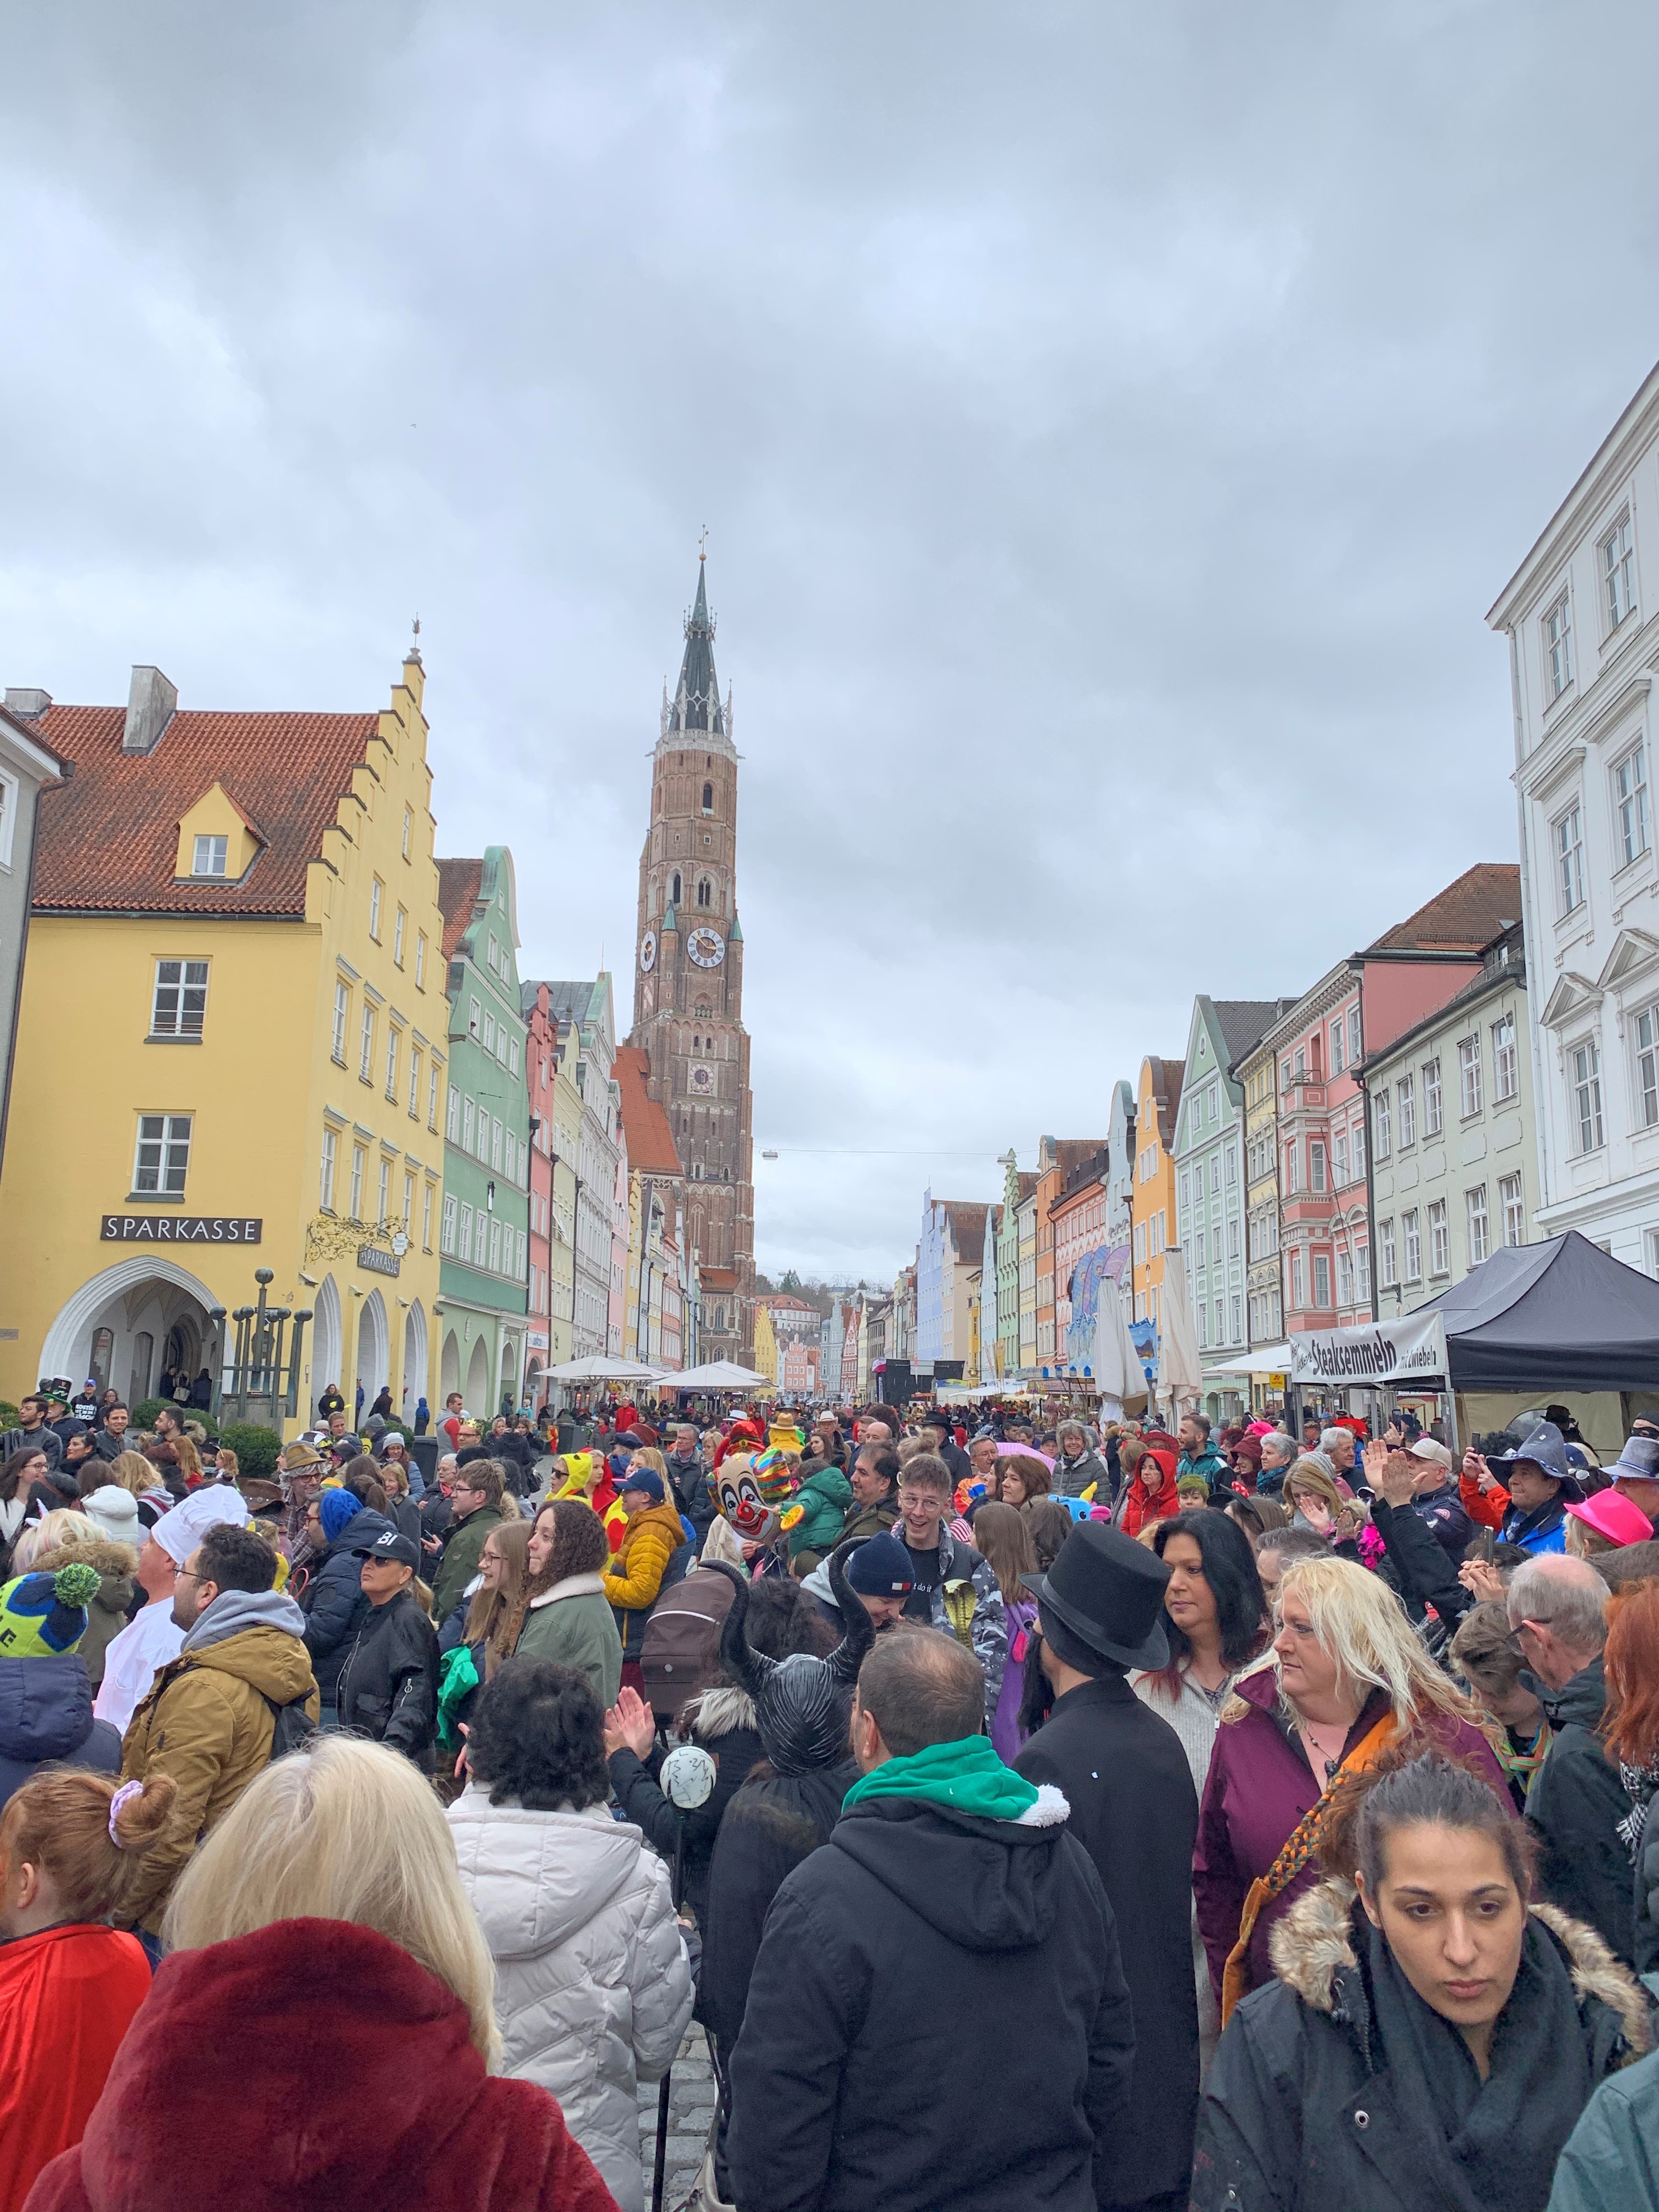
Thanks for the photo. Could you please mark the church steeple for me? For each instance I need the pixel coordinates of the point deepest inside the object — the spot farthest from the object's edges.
(696, 704)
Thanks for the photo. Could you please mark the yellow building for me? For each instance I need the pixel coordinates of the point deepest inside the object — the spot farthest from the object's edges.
(1157, 1101)
(230, 1050)
(766, 1344)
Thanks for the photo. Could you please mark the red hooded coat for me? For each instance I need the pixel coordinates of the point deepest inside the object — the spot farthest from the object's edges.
(66, 1997)
(311, 2067)
(1143, 1509)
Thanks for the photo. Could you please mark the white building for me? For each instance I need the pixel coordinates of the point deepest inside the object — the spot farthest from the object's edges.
(601, 1172)
(1581, 615)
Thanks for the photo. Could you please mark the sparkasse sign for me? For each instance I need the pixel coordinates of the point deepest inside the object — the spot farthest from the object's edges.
(179, 1229)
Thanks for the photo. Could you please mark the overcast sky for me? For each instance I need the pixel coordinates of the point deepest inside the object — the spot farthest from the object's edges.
(1111, 424)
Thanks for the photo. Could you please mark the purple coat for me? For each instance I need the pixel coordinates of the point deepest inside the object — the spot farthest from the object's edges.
(1259, 1785)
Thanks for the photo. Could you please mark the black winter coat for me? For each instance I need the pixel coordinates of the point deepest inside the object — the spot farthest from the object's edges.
(1418, 1565)
(1301, 2112)
(1123, 1771)
(936, 2022)
(45, 1720)
(332, 1602)
(388, 1679)
(772, 1824)
(1575, 1805)
(1645, 1902)
(722, 1721)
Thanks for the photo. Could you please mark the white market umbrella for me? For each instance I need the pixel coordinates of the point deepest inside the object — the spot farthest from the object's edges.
(601, 1368)
(1178, 1370)
(718, 1374)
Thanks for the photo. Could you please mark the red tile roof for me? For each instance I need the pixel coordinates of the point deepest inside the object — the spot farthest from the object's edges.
(109, 839)
(719, 1279)
(458, 893)
(1484, 902)
(651, 1146)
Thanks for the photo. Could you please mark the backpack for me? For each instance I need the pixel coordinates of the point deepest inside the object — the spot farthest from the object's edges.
(291, 1726)
(680, 1655)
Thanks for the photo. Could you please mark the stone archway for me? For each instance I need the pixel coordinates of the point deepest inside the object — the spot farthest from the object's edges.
(324, 1343)
(139, 1305)
(373, 1348)
(449, 1366)
(414, 1356)
(477, 1384)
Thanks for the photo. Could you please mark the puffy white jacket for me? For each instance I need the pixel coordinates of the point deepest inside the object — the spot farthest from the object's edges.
(593, 1986)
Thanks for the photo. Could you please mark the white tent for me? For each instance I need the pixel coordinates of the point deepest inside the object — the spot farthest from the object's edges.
(599, 1367)
(1270, 1360)
(717, 1375)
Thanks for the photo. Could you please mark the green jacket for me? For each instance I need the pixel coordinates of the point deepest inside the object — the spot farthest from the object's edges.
(822, 1498)
(1611, 2163)
(462, 1548)
(573, 1624)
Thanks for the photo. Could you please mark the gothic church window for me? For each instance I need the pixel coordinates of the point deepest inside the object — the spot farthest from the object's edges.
(709, 798)
(675, 894)
(705, 890)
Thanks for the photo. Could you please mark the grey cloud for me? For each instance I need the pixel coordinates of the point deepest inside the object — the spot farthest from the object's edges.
(1112, 424)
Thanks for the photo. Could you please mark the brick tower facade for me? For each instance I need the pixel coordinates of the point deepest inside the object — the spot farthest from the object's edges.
(687, 986)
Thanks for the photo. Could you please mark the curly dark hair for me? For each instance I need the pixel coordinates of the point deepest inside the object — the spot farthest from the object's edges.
(537, 1738)
(580, 1546)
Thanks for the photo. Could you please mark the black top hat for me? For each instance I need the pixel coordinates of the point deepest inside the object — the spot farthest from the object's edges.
(1109, 1591)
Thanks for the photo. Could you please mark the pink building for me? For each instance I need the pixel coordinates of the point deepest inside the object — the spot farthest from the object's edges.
(1360, 1007)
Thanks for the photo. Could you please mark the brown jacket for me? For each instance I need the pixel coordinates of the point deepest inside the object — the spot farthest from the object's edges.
(207, 1722)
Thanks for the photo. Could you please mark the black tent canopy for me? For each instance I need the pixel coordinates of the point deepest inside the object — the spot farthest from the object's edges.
(1559, 1315)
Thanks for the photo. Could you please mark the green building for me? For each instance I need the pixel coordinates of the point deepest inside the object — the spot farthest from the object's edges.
(483, 1243)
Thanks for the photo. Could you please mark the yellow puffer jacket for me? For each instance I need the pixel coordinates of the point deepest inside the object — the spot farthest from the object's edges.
(635, 1574)
(207, 1723)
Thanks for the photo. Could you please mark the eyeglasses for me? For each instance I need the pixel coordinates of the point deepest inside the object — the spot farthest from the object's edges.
(186, 1574)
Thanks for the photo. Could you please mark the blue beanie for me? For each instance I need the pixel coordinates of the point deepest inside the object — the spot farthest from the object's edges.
(881, 1567)
(338, 1509)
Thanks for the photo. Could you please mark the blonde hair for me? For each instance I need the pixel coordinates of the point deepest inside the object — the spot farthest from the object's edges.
(190, 1460)
(223, 1452)
(1357, 1621)
(648, 1456)
(130, 1471)
(1308, 1474)
(349, 1831)
(496, 1616)
(64, 1528)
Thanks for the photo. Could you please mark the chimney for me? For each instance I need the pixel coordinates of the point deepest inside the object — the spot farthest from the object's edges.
(150, 705)
(27, 705)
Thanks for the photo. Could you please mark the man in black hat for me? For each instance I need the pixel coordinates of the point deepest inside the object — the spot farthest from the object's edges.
(1123, 1772)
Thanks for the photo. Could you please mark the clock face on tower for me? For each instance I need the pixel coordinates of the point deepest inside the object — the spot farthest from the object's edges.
(707, 948)
(702, 1078)
(648, 952)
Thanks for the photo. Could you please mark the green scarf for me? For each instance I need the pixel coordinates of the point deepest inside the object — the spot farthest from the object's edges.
(967, 1775)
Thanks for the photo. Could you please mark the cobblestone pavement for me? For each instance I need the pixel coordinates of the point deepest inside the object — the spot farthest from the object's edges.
(690, 2108)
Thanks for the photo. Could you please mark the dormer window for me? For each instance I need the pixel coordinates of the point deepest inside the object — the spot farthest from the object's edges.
(209, 856)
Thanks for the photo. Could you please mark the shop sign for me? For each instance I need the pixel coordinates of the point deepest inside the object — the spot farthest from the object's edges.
(378, 1261)
(179, 1229)
(1410, 1349)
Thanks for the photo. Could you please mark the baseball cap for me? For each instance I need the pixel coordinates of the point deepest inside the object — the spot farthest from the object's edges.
(1426, 1447)
(390, 1544)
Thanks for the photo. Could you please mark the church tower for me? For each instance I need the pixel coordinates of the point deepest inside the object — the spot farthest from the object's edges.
(688, 985)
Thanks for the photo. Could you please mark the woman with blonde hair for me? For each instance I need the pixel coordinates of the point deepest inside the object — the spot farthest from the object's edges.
(66, 1537)
(1347, 1678)
(496, 1612)
(328, 1984)
(189, 1459)
(56, 1530)
(1313, 1498)
(72, 1849)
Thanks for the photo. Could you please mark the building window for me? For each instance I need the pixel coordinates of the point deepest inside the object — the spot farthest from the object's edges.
(1513, 1200)
(1340, 1157)
(1343, 1279)
(1558, 647)
(1358, 1133)
(1232, 1158)
(1567, 836)
(376, 892)
(342, 1015)
(1411, 1238)
(420, 961)
(163, 1154)
(1475, 1201)
(494, 1246)
(180, 998)
(1629, 799)
(1198, 1258)
(326, 1192)
(383, 1206)
(1385, 1254)
(426, 1218)
(1291, 1186)
(1470, 1100)
(1407, 1091)
(512, 1055)
(1381, 1132)
(358, 1159)
(446, 1232)
(469, 1112)
(415, 1083)
(1439, 1239)
(399, 922)
(1619, 571)
(1505, 1067)
(464, 1245)
(409, 1202)
(495, 1144)
(473, 1018)
(209, 856)
(1232, 1239)
(1432, 1121)
(1363, 1265)
(675, 893)
(432, 1099)
(1586, 1095)
(1321, 1277)
(366, 1047)
(709, 798)
(493, 954)
(1315, 1165)
(452, 1127)
(1336, 1048)
(1215, 1174)
(1297, 1300)
(1354, 1036)
(488, 1038)
(392, 1036)
(409, 827)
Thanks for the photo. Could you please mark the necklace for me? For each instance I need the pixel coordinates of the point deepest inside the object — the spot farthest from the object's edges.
(1324, 1740)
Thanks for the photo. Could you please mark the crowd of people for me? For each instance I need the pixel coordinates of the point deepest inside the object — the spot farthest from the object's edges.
(1087, 1817)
